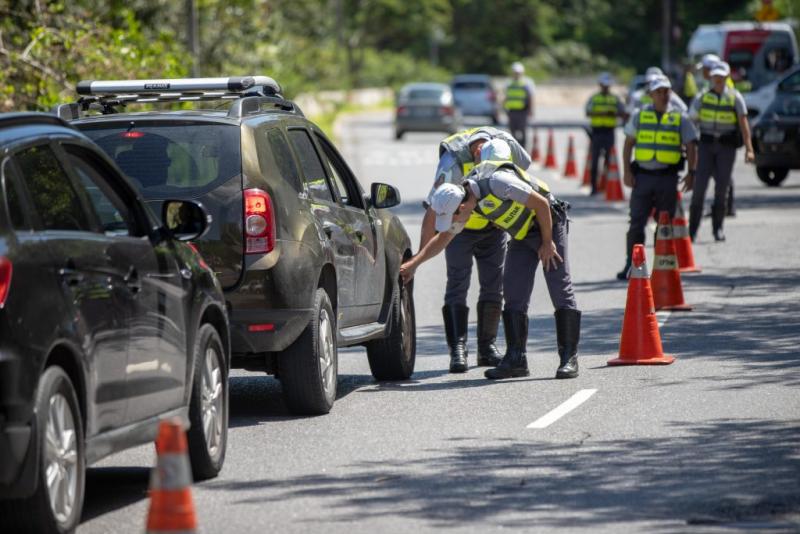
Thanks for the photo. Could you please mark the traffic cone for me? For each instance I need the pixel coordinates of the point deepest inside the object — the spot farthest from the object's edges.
(683, 243)
(613, 183)
(667, 290)
(601, 174)
(587, 168)
(571, 169)
(535, 155)
(640, 342)
(550, 158)
(171, 506)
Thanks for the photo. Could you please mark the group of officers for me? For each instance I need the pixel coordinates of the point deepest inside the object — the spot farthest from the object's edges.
(485, 206)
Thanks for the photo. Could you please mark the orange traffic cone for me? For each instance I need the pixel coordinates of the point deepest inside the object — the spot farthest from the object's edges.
(535, 155)
(571, 169)
(667, 290)
(602, 174)
(587, 169)
(171, 506)
(550, 158)
(683, 243)
(640, 342)
(613, 183)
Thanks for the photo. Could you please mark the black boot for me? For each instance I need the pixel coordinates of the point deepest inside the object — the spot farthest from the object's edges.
(695, 215)
(730, 208)
(455, 328)
(623, 274)
(717, 217)
(515, 362)
(568, 333)
(488, 319)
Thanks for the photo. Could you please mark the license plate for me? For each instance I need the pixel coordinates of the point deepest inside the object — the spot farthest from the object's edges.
(423, 112)
(774, 135)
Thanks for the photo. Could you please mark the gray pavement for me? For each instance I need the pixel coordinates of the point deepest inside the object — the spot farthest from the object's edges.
(707, 444)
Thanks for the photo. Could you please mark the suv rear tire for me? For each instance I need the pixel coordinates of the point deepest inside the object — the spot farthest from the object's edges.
(393, 357)
(308, 369)
(772, 176)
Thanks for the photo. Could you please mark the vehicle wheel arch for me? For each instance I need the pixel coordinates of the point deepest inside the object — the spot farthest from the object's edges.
(327, 281)
(68, 359)
(214, 316)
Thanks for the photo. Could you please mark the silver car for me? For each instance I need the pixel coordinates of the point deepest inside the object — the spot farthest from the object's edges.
(426, 107)
(475, 95)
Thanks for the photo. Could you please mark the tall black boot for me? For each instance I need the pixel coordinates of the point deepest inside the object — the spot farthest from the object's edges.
(456, 319)
(695, 216)
(623, 274)
(488, 319)
(717, 217)
(568, 333)
(730, 208)
(515, 361)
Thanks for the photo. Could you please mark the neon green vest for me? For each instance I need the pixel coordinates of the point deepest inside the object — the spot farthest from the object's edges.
(719, 109)
(660, 141)
(603, 111)
(516, 97)
(510, 215)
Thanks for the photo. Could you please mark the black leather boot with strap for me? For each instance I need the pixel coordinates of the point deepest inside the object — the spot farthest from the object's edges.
(717, 218)
(456, 319)
(515, 361)
(568, 333)
(488, 320)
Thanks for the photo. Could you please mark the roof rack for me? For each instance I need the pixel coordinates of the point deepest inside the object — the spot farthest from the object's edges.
(249, 93)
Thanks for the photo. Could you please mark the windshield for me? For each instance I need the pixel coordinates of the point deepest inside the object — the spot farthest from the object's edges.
(168, 159)
(425, 94)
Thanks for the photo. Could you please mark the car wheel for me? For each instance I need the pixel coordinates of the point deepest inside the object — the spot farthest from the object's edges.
(495, 120)
(308, 369)
(55, 506)
(772, 176)
(398, 134)
(393, 357)
(208, 408)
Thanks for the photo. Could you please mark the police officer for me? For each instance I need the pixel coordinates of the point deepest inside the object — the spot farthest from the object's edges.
(721, 114)
(641, 97)
(519, 103)
(603, 108)
(658, 134)
(537, 223)
(480, 240)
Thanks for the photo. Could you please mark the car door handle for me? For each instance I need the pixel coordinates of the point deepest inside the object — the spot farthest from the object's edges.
(360, 236)
(71, 276)
(132, 280)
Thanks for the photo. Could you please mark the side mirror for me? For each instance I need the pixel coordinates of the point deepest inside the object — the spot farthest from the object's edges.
(185, 220)
(384, 196)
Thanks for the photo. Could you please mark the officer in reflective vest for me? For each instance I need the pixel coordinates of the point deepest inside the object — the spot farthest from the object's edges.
(537, 224)
(480, 240)
(721, 114)
(603, 108)
(641, 97)
(519, 103)
(658, 135)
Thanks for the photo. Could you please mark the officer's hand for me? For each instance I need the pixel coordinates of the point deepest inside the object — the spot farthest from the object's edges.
(688, 183)
(407, 271)
(749, 156)
(549, 255)
(628, 178)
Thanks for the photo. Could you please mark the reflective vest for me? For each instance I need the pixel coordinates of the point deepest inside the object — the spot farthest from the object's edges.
(458, 145)
(717, 110)
(603, 111)
(510, 215)
(516, 97)
(660, 141)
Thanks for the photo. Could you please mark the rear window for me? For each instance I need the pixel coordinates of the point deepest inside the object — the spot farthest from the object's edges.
(425, 94)
(476, 84)
(166, 159)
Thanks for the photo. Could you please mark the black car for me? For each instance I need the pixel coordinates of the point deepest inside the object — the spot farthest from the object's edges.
(109, 322)
(776, 133)
(308, 262)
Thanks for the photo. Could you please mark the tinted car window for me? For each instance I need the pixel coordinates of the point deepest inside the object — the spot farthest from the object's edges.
(311, 164)
(791, 83)
(16, 213)
(166, 159)
(282, 155)
(343, 180)
(425, 94)
(470, 85)
(53, 196)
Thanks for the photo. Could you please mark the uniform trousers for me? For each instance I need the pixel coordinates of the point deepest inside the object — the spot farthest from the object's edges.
(522, 259)
(518, 125)
(602, 143)
(488, 247)
(713, 159)
(649, 191)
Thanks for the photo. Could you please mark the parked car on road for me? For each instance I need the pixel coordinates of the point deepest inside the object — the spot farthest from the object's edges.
(426, 107)
(308, 262)
(475, 95)
(776, 133)
(109, 322)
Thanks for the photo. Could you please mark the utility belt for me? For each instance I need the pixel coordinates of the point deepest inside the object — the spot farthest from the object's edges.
(732, 139)
(671, 170)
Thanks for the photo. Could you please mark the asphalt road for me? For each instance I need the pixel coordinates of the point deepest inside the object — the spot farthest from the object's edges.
(708, 444)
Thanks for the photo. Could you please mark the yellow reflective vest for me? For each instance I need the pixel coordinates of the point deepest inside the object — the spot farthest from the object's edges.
(603, 110)
(717, 109)
(516, 97)
(658, 140)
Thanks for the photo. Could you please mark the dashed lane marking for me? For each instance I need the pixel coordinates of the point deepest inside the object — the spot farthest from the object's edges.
(663, 317)
(563, 409)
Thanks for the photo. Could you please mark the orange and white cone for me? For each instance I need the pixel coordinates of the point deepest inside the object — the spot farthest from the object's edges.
(535, 154)
(171, 506)
(587, 169)
(613, 182)
(550, 158)
(571, 168)
(640, 341)
(667, 289)
(683, 243)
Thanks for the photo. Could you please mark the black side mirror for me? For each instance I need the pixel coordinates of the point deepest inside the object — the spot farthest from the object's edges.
(384, 196)
(185, 220)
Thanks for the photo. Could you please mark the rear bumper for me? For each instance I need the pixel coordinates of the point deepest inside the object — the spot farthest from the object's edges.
(782, 155)
(287, 325)
(426, 124)
(18, 466)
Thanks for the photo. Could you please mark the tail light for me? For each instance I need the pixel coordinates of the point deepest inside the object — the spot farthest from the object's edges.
(402, 110)
(5, 279)
(259, 222)
(447, 110)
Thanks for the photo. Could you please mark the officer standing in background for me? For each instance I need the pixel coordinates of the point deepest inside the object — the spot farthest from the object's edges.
(721, 114)
(486, 243)
(658, 133)
(603, 108)
(537, 223)
(641, 97)
(519, 103)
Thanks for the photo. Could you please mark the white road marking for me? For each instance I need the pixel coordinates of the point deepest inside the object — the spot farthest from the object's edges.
(562, 410)
(663, 317)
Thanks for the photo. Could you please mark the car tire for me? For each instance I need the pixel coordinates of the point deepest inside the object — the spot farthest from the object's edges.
(208, 407)
(308, 369)
(393, 357)
(398, 134)
(772, 176)
(59, 431)
(495, 120)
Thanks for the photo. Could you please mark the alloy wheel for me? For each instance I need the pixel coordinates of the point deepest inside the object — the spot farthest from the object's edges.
(326, 352)
(212, 402)
(61, 458)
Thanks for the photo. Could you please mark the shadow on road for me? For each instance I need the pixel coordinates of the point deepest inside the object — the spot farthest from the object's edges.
(112, 488)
